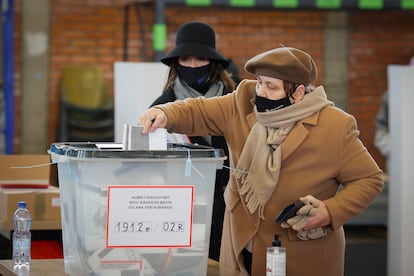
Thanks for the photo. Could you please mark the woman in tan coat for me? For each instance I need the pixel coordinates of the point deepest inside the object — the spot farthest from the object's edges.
(287, 143)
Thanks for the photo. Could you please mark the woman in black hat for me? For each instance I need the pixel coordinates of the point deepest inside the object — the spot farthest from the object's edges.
(198, 69)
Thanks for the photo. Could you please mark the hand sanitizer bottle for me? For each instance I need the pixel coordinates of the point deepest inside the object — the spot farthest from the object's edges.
(276, 259)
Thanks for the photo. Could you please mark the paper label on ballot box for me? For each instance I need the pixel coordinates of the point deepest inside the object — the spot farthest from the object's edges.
(149, 216)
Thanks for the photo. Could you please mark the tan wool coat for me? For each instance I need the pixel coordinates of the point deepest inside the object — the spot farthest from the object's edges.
(322, 152)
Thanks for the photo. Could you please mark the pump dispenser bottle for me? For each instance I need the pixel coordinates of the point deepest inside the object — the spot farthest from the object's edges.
(276, 259)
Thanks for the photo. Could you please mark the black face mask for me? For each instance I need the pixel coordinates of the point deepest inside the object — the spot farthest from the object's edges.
(196, 78)
(264, 104)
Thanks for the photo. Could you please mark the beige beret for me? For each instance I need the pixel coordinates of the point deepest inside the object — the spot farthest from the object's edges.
(284, 63)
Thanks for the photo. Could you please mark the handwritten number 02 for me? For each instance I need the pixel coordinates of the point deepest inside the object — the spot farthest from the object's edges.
(169, 226)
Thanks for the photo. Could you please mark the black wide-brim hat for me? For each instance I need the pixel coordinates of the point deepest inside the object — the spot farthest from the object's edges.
(195, 39)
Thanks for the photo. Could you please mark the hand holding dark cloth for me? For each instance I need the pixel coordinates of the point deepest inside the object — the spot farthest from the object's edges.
(309, 220)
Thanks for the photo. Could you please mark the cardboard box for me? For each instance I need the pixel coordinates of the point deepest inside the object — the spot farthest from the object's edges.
(25, 171)
(43, 204)
(50, 200)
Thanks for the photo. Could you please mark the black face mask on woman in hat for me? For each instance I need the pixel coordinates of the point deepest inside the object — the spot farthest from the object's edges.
(196, 78)
(264, 104)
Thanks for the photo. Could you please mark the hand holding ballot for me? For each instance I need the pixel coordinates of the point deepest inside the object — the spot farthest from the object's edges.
(152, 119)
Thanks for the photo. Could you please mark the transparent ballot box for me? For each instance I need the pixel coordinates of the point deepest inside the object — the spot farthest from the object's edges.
(136, 212)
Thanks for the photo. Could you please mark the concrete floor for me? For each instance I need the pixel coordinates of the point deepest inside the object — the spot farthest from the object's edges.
(366, 251)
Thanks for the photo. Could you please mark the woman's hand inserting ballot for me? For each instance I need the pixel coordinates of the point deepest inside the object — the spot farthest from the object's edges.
(152, 119)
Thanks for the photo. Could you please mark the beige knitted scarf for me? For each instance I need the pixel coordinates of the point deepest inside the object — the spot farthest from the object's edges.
(261, 156)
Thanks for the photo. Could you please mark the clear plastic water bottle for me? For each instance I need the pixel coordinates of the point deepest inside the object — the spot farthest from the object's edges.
(21, 235)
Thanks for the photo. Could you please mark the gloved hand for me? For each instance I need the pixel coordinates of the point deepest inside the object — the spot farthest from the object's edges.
(312, 207)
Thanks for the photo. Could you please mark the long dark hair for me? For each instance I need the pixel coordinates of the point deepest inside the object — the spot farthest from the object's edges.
(217, 73)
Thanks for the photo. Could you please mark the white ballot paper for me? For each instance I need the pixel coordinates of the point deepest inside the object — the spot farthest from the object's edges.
(133, 139)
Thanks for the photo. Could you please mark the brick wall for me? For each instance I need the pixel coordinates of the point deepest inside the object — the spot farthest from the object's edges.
(376, 40)
(90, 33)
